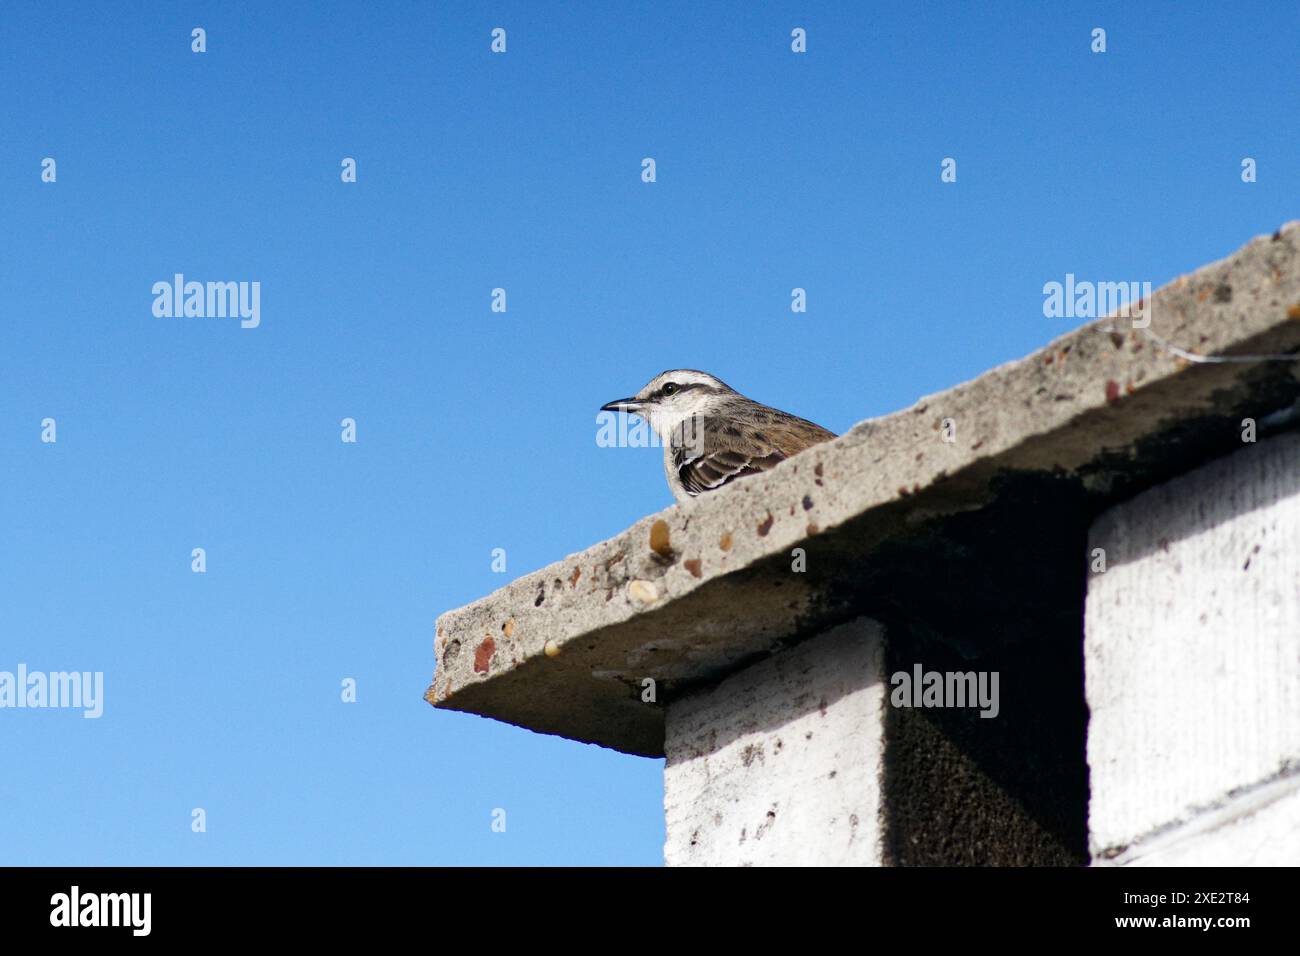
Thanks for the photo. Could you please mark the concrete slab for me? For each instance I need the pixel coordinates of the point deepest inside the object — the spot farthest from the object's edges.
(1099, 414)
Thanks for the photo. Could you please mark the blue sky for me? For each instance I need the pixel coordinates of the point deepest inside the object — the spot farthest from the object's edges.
(476, 430)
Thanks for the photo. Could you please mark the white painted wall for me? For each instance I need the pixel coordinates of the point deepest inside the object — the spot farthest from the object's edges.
(780, 763)
(1192, 653)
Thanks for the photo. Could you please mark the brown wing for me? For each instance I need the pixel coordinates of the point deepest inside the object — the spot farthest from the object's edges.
(727, 451)
(710, 471)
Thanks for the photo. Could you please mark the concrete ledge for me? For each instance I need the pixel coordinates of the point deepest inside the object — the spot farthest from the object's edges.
(883, 513)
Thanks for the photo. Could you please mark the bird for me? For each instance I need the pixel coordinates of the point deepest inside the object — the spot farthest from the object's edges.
(713, 435)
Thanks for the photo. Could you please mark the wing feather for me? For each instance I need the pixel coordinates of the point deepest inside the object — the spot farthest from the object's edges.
(727, 453)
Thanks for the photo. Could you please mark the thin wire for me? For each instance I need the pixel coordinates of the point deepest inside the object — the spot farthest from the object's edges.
(1213, 359)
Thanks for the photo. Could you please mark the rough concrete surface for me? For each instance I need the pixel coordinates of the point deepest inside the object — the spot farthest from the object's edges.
(1260, 827)
(780, 763)
(1094, 416)
(962, 790)
(1192, 643)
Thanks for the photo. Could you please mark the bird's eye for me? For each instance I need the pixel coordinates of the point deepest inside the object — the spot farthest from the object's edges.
(670, 387)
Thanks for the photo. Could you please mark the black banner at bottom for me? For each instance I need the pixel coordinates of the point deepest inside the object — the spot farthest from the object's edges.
(332, 905)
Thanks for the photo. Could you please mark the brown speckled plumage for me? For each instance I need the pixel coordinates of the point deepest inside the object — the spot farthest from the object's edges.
(712, 434)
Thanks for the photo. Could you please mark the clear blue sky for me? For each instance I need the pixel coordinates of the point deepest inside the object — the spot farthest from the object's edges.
(476, 430)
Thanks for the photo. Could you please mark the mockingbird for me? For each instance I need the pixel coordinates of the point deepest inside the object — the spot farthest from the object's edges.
(711, 433)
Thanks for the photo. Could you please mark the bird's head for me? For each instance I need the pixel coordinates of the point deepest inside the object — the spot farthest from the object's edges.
(671, 397)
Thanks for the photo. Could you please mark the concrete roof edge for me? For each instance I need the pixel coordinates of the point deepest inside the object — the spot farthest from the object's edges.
(1087, 393)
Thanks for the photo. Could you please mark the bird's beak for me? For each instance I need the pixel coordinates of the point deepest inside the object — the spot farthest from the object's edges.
(629, 405)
